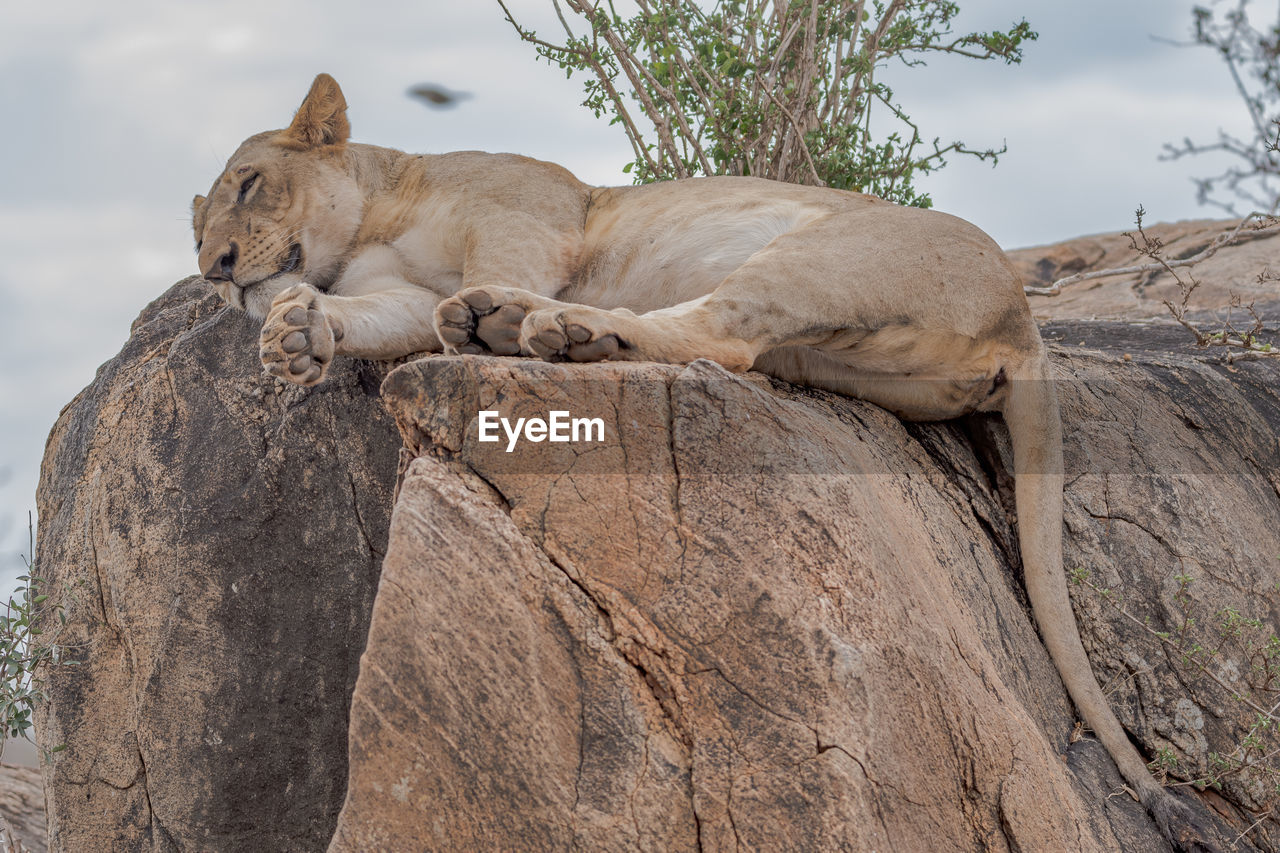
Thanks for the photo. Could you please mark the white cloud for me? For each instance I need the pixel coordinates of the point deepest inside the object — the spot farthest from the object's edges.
(1083, 154)
(71, 287)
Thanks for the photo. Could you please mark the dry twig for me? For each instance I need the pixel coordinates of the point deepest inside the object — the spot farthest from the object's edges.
(1224, 239)
(9, 841)
(1153, 248)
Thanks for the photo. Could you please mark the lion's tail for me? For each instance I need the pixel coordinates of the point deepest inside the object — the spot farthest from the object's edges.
(1035, 429)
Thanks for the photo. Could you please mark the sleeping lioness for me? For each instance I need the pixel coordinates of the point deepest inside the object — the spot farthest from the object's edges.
(348, 249)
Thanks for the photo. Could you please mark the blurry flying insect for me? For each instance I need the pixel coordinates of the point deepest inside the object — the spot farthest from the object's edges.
(437, 97)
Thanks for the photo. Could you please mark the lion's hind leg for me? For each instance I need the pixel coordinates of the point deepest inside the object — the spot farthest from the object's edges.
(827, 284)
(917, 372)
(916, 385)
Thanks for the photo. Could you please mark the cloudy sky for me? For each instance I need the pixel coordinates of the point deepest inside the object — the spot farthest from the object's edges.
(117, 113)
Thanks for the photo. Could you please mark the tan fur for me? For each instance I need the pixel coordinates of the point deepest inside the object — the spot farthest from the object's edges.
(915, 310)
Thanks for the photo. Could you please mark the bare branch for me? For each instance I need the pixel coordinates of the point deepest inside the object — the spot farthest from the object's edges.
(559, 14)
(1253, 61)
(813, 170)
(773, 88)
(1153, 248)
(606, 80)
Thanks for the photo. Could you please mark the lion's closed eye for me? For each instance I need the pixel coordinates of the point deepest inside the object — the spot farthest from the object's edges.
(246, 186)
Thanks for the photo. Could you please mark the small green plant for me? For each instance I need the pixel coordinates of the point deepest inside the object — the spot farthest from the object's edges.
(1211, 647)
(23, 653)
(1165, 761)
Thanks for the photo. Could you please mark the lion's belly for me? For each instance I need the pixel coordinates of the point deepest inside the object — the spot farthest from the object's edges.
(645, 252)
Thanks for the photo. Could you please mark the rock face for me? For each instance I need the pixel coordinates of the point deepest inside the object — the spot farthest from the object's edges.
(216, 541)
(752, 615)
(1231, 271)
(765, 617)
(22, 808)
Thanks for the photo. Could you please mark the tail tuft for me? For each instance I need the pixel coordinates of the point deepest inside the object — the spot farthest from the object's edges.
(1186, 831)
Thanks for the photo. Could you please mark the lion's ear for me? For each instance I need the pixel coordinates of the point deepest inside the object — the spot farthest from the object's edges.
(197, 216)
(322, 118)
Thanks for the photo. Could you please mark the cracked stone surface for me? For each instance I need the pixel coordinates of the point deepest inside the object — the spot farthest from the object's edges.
(762, 617)
(216, 539)
(754, 617)
(22, 807)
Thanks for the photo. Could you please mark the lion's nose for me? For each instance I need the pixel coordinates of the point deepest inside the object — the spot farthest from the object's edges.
(223, 269)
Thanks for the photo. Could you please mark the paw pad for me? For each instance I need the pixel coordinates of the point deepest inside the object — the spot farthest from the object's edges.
(554, 338)
(476, 321)
(297, 342)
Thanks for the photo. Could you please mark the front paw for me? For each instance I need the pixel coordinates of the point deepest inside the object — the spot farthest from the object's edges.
(298, 340)
(482, 320)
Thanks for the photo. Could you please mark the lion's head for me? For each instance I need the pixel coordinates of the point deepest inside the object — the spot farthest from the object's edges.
(286, 208)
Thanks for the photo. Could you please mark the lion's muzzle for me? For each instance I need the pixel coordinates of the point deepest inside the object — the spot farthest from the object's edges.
(223, 268)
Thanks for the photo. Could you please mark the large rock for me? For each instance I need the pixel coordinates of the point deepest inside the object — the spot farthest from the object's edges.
(768, 617)
(216, 539)
(755, 614)
(1232, 272)
(21, 810)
